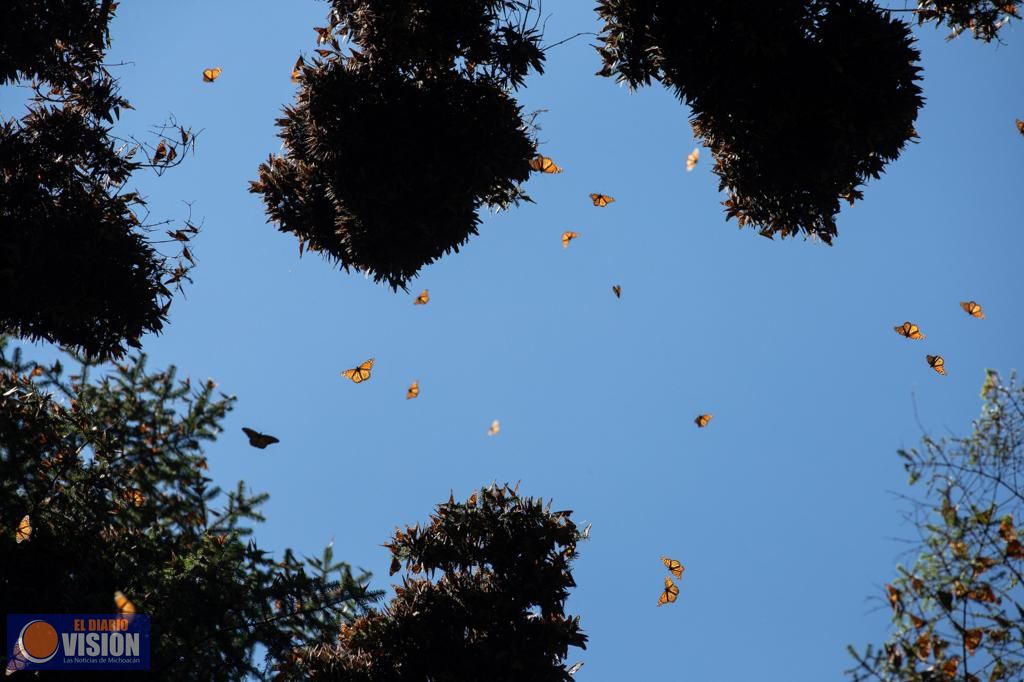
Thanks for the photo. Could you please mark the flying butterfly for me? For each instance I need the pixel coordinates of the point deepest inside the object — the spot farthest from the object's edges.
(210, 75)
(909, 330)
(692, 158)
(702, 420)
(495, 428)
(257, 439)
(359, 374)
(1020, 126)
(973, 309)
(617, 290)
(544, 165)
(123, 604)
(673, 566)
(937, 363)
(575, 668)
(601, 200)
(567, 237)
(670, 594)
(423, 298)
(414, 390)
(24, 531)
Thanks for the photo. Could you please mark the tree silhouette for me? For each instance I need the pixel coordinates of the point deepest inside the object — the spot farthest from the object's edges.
(983, 18)
(76, 267)
(958, 610)
(497, 611)
(393, 149)
(110, 473)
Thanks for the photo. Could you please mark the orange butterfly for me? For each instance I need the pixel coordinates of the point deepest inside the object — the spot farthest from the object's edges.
(972, 309)
(359, 374)
(702, 420)
(24, 531)
(909, 330)
(495, 428)
(544, 165)
(1020, 126)
(692, 158)
(210, 75)
(895, 599)
(972, 639)
(257, 439)
(674, 566)
(133, 496)
(937, 363)
(423, 298)
(670, 594)
(297, 69)
(601, 200)
(414, 390)
(123, 604)
(568, 237)
(618, 290)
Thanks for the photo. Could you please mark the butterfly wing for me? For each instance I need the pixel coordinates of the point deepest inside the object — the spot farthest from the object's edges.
(123, 604)
(24, 531)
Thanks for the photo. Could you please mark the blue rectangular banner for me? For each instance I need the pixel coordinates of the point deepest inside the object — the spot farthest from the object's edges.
(80, 641)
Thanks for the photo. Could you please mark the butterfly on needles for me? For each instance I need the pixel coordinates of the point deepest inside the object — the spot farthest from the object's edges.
(544, 165)
(257, 439)
(359, 374)
(414, 390)
(692, 158)
(24, 531)
(210, 75)
(601, 200)
(495, 428)
(702, 420)
(674, 567)
(567, 237)
(123, 604)
(617, 290)
(937, 363)
(909, 330)
(297, 69)
(973, 309)
(575, 668)
(423, 298)
(669, 594)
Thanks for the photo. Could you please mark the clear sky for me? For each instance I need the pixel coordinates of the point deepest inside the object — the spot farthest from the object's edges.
(783, 510)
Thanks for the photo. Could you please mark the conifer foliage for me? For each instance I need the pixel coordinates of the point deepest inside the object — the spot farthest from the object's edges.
(800, 101)
(394, 146)
(496, 611)
(110, 473)
(76, 267)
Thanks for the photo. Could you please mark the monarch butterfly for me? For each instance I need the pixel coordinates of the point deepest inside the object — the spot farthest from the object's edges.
(895, 599)
(909, 330)
(674, 566)
(692, 158)
(972, 639)
(495, 428)
(1020, 126)
(160, 153)
(617, 290)
(210, 75)
(544, 165)
(297, 69)
(575, 668)
(133, 496)
(414, 390)
(472, 500)
(423, 298)
(257, 439)
(702, 420)
(918, 622)
(949, 666)
(568, 237)
(359, 374)
(601, 200)
(937, 363)
(972, 309)
(123, 604)
(670, 594)
(24, 531)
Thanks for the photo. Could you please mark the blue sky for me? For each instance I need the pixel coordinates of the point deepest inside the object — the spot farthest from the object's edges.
(782, 510)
